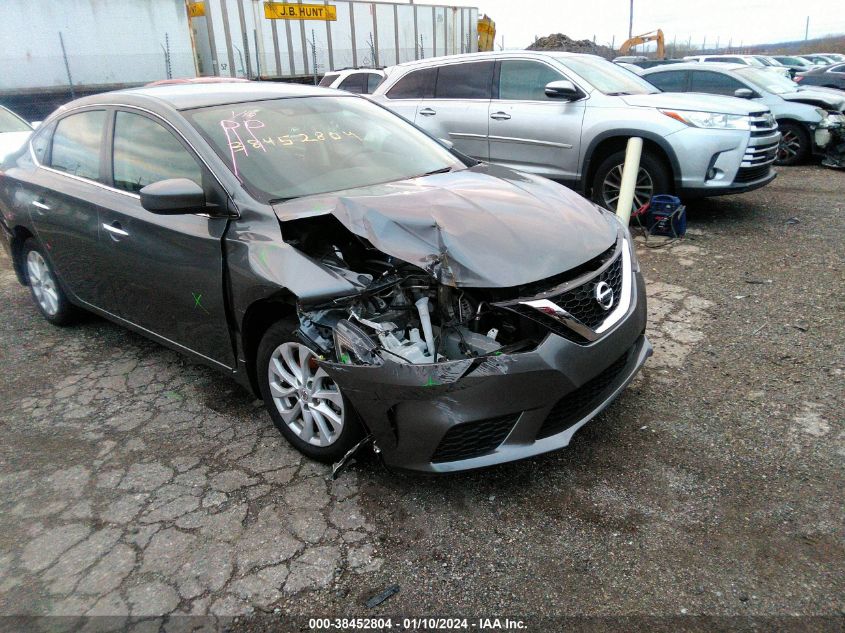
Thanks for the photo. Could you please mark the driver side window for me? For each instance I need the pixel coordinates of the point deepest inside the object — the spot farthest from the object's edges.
(525, 80)
(145, 152)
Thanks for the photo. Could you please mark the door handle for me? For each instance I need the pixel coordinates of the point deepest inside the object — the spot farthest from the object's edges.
(40, 205)
(500, 116)
(115, 229)
(427, 112)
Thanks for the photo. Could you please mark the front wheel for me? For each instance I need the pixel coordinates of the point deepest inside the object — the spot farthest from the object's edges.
(652, 178)
(304, 402)
(794, 144)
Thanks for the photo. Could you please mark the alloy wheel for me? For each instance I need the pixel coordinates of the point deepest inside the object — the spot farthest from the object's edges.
(612, 187)
(790, 146)
(42, 283)
(309, 402)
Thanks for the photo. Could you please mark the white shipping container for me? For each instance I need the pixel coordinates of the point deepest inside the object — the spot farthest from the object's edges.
(48, 45)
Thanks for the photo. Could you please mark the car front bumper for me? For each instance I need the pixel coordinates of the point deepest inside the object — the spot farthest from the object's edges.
(721, 162)
(460, 415)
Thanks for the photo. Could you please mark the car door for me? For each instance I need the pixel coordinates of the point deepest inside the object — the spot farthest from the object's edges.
(167, 271)
(64, 194)
(529, 130)
(458, 110)
(405, 95)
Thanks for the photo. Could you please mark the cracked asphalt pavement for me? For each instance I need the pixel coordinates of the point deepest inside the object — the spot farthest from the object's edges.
(133, 482)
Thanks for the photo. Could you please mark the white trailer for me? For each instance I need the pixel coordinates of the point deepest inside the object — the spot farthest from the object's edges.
(52, 46)
(234, 37)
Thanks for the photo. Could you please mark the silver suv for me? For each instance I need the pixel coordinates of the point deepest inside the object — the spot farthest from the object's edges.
(568, 117)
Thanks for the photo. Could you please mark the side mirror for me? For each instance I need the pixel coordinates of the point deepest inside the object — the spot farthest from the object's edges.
(445, 142)
(743, 93)
(175, 196)
(562, 89)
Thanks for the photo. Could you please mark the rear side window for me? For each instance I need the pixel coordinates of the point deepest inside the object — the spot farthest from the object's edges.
(373, 82)
(464, 81)
(145, 152)
(418, 84)
(525, 80)
(675, 81)
(328, 79)
(356, 82)
(77, 142)
(714, 83)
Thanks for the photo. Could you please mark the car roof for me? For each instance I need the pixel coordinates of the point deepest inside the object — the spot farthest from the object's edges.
(465, 57)
(696, 66)
(198, 95)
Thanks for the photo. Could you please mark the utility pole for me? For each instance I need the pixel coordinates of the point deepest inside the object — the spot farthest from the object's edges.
(313, 43)
(704, 45)
(631, 21)
(806, 28)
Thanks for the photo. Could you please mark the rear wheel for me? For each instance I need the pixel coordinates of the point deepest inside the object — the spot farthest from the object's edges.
(48, 295)
(652, 178)
(304, 402)
(794, 144)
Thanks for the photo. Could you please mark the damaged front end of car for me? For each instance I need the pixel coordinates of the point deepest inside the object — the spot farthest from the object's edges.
(449, 371)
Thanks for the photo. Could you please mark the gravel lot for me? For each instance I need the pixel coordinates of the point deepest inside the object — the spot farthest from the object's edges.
(134, 482)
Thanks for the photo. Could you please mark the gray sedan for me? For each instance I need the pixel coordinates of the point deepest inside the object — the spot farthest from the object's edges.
(367, 282)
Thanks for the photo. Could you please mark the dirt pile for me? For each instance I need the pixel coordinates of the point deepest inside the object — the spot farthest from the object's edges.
(561, 42)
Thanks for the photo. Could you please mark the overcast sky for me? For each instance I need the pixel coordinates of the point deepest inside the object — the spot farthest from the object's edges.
(748, 21)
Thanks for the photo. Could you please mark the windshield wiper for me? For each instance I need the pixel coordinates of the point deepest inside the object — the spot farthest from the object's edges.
(443, 170)
(281, 200)
(617, 94)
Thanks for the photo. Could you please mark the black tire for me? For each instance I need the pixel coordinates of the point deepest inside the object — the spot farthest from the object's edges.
(652, 169)
(47, 292)
(351, 430)
(794, 144)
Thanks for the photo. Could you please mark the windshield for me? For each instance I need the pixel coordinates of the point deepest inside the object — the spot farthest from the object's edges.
(10, 122)
(288, 148)
(606, 76)
(770, 82)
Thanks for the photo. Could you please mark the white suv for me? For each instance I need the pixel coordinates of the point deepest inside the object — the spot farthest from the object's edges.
(362, 81)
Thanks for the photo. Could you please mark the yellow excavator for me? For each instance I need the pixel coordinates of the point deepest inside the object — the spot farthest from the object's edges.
(651, 36)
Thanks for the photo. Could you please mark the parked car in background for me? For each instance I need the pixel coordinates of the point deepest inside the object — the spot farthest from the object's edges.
(771, 62)
(820, 60)
(827, 77)
(747, 60)
(836, 57)
(795, 64)
(315, 247)
(358, 80)
(568, 117)
(804, 117)
(13, 132)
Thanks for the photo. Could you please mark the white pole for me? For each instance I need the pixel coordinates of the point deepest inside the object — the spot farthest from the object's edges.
(629, 178)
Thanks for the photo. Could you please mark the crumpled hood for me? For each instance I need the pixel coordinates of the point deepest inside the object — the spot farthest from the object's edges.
(694, 101)
(485, 227)
(819, 98)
